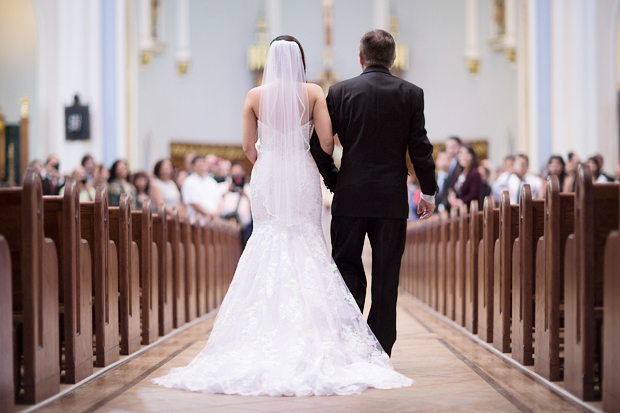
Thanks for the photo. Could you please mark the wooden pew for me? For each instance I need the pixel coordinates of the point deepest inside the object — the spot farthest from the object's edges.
(128, 275)
(190, 270)
(62, 224)
(611, 326)
(433, 282)
(218, 262)
(164, 270)
(531, 228)
(201, 268)
(471, 267)
(178, 270)
(558, 225)
(207, 233)
(502, 283)
(460, 265)
(142, 234)
(451, 264)
(486, 278)
(7, 381)
(96, 230)
(444, 238)
(596, 215)
(35, 290)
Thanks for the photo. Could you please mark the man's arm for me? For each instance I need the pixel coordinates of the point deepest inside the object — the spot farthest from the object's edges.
(421, 150)
(325, 162)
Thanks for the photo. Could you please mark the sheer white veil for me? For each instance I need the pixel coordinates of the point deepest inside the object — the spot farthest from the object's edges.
(284, 136)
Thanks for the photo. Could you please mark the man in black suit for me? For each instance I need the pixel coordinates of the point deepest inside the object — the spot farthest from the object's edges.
(378, 118)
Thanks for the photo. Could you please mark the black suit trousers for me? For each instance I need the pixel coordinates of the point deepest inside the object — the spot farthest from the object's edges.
(387, 240)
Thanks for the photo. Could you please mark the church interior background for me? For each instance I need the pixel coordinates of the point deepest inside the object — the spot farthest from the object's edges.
(533, 76)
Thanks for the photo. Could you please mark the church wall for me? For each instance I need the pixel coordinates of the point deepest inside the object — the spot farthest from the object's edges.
(205, 105)
(18, 59)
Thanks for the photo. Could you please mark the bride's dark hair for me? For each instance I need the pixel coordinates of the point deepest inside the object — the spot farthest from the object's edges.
(289, 38)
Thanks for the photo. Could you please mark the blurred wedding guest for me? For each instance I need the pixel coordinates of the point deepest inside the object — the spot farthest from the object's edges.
(179, 177)
(506, 165)
(601, 169)
(118, 185)
(468, 185)
(140, 181)
(38, 165)
(164, 190)
(485, 175)
(413, 196)
(100, 177)
(236, 201)
(515, 180)
(88, 162)
(224, 170)
(453, 144)
(571, 172)
(595, 168)
(443, 169)
(213, 165)
(201, 193)
(189, 157)
(79, 175)
(555, 166)
(51, 179)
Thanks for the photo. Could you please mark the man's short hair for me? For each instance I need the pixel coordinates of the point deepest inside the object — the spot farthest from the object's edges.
(378, 47)
(524, 156)
(197, 158)
(456, 139)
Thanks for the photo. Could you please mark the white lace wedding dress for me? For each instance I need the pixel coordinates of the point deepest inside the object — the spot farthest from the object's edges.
(288, 324)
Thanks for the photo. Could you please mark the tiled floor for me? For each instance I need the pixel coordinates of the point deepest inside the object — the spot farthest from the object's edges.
(452, 371)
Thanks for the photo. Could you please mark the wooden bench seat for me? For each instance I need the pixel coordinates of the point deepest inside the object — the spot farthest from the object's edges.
(596, 215)
(95, 223)
(62, 224)
(531, 228)
(164, 271)
(444, 238)
(486, 277)
(128, 275)
(558, 225)
(190, 270)
(611, 326)
(503, 262)
(142, 235)
(460, 265)
(472, 272)
(178, 270)
(7, 379)
(201, 268)
(34, 287)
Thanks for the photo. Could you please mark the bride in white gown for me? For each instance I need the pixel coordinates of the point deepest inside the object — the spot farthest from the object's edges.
(288, 324)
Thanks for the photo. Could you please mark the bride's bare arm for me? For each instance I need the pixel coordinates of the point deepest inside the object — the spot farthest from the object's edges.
(322, 121)
(250, 110)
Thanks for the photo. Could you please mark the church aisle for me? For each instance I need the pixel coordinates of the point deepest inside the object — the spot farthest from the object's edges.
(453, 373)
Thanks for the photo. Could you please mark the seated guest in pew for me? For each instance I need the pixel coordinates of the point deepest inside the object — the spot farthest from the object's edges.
(515, 180)
(453, 144)
(88, 162)
(468, 185)
(38, 165)
(413, 195)
(201, 193)
(164, 190)
(485, 175)
(223, 171)
(81, 184)
(600, 160)
(142, 183)
(51, 178)
(100, 178)
(597, 171)
(557, 167)
(118, 184)
(236, 200)
(571, 172)
(443, 170)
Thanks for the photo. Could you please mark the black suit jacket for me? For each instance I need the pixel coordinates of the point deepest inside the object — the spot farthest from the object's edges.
(378, 118)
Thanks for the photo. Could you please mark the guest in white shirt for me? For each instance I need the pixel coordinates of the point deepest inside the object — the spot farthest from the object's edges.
(443, 170)
(514, 180)
(164, 190)
(596, 167)
(236, 200)
(201, 192)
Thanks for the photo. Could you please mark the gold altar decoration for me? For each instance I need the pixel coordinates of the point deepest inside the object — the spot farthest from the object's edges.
(257, 52)
(401, 63)
(179, 150)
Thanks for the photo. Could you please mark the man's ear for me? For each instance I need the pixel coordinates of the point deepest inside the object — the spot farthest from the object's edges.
(361, 61)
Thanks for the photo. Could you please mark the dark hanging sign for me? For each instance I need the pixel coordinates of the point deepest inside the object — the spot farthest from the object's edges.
(77, 123)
